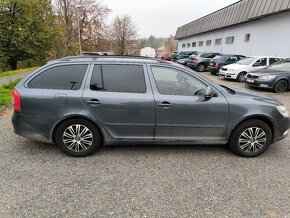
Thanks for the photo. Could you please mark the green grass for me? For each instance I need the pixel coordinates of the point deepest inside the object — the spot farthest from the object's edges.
(14, 72)
(6, 92)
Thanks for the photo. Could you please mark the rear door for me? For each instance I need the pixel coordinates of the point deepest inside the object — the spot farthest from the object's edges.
(120, 97)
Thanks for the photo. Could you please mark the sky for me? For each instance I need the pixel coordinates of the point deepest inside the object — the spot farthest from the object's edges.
(162, 17)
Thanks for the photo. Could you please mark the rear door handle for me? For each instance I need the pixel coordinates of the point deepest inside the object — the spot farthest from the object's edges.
(94, 102)
(164, 104)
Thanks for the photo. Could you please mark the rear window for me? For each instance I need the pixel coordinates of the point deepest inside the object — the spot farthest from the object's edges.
(66, 77)
(118, 78)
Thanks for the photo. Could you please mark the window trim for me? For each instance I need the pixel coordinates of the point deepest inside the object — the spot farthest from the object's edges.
(104, 91)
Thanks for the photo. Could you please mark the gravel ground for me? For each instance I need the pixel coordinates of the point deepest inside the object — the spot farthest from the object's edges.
(37, 180)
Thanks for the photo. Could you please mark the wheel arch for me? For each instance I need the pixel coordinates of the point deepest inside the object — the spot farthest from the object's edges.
(98, 127)
(263, 118)
(280, 79)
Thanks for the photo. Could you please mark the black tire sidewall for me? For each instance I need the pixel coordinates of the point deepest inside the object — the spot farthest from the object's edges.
(234, 139)
(198, 67)
(239, 77)
(277, 85)
(96, 137)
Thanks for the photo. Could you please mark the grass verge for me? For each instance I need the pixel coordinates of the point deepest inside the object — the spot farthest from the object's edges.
(14, 72)
(6, 92)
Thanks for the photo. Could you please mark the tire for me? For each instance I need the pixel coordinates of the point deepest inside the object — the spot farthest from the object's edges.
(241, 76)
(281, 86)
(245, 146)
(200, 67)
(66, 136)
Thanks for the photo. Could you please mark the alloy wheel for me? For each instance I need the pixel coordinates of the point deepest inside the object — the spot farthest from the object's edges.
(252, 139)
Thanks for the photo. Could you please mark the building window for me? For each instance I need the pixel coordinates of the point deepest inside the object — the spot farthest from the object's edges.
(208, 42)
(193, 44)
(188, 45)
(230, 40)
(183, 45)
(200, 43)
(218, 41)
(247, 37)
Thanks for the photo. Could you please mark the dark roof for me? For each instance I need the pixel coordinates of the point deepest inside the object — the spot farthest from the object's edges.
(239, 12)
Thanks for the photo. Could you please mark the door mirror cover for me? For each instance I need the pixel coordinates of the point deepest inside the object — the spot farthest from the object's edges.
(209, 93)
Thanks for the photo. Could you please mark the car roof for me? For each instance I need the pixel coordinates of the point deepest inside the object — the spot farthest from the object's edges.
(110, 58)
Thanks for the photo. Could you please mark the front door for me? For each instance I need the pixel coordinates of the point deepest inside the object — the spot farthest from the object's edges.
(182, 111)
(121, 100)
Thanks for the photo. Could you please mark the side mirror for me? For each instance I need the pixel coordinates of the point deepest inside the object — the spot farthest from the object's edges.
(209, 93)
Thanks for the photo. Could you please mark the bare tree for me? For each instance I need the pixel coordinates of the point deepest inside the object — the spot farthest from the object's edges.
(170, 44)
(92, 15)
(124, 35)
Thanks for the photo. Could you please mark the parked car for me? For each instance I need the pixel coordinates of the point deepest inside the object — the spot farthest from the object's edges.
(80, 103)
(275, 77)
(184, 54)
(166, 56)
(239, 70)
(221, 60)
(200, 62)
(183, 61)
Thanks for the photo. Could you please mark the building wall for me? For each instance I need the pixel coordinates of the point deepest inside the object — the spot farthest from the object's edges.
(268, 36)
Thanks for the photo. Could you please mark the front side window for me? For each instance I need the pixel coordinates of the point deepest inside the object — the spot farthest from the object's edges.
(66, 77)
(118, 78)
(174, 82)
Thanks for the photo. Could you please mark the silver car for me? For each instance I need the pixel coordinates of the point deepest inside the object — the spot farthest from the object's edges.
(81, 103)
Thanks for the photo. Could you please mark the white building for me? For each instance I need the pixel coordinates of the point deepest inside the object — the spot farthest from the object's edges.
(247, 27)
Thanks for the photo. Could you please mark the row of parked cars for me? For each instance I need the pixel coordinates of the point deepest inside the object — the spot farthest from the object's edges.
(256, 71)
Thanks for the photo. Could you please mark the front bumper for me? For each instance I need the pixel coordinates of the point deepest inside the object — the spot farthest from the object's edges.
(259, 84)
(33, 127)
(281, 127)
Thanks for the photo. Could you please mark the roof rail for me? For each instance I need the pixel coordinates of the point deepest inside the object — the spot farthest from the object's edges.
(95, 57)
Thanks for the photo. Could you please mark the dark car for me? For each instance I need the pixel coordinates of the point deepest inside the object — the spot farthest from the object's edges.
(184, 54)
(275, 77)
(166, 56)
(81, 103)
(200, 62)
(221, 60)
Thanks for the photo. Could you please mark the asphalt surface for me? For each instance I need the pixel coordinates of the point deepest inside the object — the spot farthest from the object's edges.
(37, 180)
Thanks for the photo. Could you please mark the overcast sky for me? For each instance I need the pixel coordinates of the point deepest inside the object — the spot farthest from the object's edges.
(162, 17)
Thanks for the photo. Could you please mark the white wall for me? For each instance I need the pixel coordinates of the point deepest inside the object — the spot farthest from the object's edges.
(269, 36)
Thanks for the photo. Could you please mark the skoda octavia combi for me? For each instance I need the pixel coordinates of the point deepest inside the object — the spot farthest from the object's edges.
(81, 103)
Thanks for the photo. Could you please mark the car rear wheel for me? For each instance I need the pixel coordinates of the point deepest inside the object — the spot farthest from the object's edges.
(78, 137)
(200, 67)
(281, 86)
(250, 138)
(241, 77)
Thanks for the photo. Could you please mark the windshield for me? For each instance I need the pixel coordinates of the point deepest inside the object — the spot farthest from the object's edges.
(285, 66)
(246, 61)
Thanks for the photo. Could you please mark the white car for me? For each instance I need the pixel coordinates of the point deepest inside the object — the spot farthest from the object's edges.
(239, 70)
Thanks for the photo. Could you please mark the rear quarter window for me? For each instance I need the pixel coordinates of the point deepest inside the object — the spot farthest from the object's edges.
(65, 77)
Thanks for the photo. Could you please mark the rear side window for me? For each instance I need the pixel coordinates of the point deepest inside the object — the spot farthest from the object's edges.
(273, 60)
(66, 77)
(118, 78)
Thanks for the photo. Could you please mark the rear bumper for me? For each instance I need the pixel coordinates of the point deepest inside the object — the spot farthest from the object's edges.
(213, 70)
(192, 65)
(32, 127)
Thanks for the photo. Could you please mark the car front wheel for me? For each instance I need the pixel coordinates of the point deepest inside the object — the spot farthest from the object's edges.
(281, 86)
(78, 137)
(241, 76)
(250, 138)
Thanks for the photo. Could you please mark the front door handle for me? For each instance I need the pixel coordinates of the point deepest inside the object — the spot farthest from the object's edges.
(94, 102)
(164, 104)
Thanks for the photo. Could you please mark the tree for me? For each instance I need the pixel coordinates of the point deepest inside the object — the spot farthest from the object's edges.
(170, 44)
(124, 35)
(93, 28)
(26, 30)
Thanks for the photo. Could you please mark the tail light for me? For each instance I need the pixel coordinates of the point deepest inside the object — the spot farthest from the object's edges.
(16, 101)
(217, 65)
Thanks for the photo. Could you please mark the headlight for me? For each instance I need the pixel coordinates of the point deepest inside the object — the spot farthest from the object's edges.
(283, 110)
(181, 62)
(266, 78)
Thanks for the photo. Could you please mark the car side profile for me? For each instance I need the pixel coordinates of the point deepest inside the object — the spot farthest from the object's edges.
(201, 61)
(81, 103)
(239, 70)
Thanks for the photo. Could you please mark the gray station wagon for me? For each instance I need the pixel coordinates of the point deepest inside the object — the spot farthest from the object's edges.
(81, 103)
